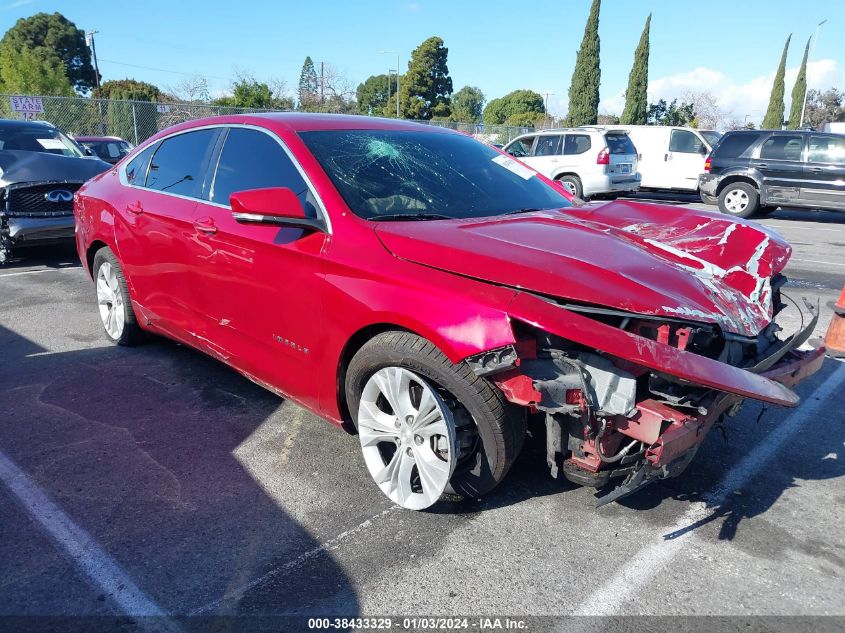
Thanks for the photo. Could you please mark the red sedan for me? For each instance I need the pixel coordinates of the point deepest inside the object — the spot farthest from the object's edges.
(429, 292)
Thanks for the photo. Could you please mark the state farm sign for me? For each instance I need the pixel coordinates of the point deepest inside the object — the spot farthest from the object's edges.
(28, 107)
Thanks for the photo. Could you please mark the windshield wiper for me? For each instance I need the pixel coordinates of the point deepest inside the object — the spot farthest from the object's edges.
(410, 216)
(525, 210)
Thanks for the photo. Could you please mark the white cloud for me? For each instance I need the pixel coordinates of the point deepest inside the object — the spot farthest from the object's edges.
(18, 3)
(736, 99)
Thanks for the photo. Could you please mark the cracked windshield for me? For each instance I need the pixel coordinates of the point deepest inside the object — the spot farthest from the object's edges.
(385, 174)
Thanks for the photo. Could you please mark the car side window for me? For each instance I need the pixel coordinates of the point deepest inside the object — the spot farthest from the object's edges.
(547, 146)
(254, 160)
(179, 164)
(136, 170)
(685, 142)
(782, 147)
(521, 148)
(826, 149)
(576, 144)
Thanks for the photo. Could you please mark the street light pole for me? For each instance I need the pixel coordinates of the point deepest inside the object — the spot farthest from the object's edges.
(397, 78)
(807, 87)
(546, 106)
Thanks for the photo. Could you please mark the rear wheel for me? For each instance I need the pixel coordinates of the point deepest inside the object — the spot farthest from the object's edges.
(739, 199)
(573, 185)
(116, 313)
(428, 426)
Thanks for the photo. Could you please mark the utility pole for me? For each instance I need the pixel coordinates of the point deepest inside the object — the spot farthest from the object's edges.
(89, 39)
(546, 96)
(812, 55)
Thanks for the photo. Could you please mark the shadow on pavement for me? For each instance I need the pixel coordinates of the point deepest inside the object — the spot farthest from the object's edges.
(144, 449)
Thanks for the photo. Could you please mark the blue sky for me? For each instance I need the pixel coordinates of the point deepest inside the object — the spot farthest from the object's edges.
(730, 47)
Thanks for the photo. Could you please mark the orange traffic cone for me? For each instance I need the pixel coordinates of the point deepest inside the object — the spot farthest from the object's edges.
(834, 340)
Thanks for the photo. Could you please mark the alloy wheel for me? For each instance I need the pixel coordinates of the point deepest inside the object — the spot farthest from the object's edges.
(110, 300)
(407, 435)
(736, 201)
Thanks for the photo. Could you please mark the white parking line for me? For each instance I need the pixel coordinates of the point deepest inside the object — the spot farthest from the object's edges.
(82, 549)
(652, 559)
(815, 261)
(40, 271)
(332, 544)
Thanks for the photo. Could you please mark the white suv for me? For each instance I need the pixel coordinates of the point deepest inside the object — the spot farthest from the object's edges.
(588, 162)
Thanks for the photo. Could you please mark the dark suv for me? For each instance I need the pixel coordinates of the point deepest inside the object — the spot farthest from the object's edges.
(756, 171)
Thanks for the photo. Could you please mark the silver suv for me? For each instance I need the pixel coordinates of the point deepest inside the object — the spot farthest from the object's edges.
(588, 162)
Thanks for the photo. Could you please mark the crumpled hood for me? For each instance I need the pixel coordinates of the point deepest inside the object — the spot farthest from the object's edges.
(20, 166)
(641, 258)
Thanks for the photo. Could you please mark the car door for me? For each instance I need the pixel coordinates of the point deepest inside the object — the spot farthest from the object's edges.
(545, 155)
(780, 161)
(824, 172)
(258, 286)
(684, 159)
(154, 223)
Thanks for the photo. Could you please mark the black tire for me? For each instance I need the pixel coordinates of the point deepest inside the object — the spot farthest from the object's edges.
(739, 188)
(708, 199)
(131, 333)
(573, 184)
(764, 210)
(500, 425)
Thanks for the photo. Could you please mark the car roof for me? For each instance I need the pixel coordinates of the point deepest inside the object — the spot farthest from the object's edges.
(86, 139)
(25, 124)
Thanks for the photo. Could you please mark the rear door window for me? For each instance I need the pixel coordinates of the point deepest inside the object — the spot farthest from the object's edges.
(782, 147)
(547, 146)
(179, 166)
(685, 142)
(826, 149)
(620, 144)
(735, 145)
(254, 160)
(576, 143)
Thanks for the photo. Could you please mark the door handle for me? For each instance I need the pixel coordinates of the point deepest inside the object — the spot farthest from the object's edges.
(762, 166)
(205, 225)
(135, 208)
(816, 170)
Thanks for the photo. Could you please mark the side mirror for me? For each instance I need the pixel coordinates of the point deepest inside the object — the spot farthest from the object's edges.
(89, 151)
(274, 205)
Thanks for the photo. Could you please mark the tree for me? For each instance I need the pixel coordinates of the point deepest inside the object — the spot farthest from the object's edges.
(708, 114)
(57, 38)
(372, 95)
(467, 104)
(33, 71)
(520, 107)
(584, 89)
(799, 91)
(127, 89)
(608, 119)
(774, 114)
(426, 88)
(824, 107)
(309, 85)
(248, 92)
(636, 99)
(661, 113)
(192, 89)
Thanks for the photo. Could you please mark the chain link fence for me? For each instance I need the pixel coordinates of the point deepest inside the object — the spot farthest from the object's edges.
(136, 121)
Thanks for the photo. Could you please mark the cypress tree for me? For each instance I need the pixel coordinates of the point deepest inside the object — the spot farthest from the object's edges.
(308, 84)
(636, 99)
(774, 115)
(584, 89)
(798, 92)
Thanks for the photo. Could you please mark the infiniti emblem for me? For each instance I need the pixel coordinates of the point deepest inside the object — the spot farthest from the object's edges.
(59, 195)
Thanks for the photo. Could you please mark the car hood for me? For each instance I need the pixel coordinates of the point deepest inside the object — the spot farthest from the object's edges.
(19, 166)
(646, 259)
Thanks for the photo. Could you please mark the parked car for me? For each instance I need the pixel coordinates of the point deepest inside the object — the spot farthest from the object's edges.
(40, 170)
(756, 171)
(422, 288)
(107, 148)
(588, 162)
(669, 157)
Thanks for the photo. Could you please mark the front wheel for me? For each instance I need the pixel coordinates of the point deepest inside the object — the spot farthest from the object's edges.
(428, 426)
(116, 313)
(739, 199)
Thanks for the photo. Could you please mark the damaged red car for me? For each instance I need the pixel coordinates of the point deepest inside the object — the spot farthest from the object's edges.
(429, 293)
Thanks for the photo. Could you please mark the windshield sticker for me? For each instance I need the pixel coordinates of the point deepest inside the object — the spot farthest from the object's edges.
(514, 166)
(51, 143)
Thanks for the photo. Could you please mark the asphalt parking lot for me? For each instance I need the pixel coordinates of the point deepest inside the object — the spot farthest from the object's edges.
(155, 481)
